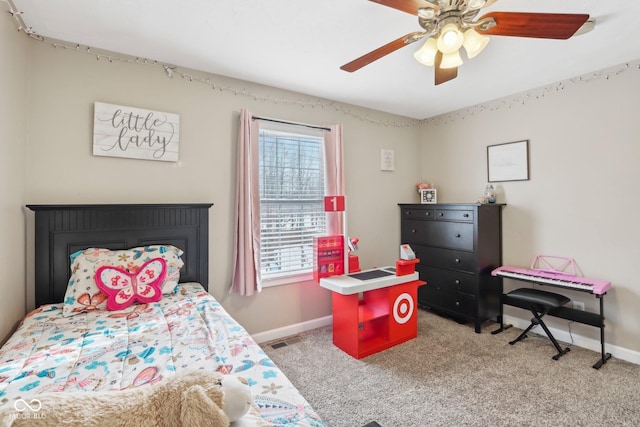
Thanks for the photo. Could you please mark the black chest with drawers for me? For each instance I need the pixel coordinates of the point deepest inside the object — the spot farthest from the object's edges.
(458, 246)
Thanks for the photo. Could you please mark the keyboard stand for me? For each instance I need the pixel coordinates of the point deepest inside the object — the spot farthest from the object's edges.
(567, 313)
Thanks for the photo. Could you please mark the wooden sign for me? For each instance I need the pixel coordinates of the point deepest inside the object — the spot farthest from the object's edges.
(120, 131)
(334, 203)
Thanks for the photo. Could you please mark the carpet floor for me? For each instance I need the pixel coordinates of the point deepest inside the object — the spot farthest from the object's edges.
(451, 376)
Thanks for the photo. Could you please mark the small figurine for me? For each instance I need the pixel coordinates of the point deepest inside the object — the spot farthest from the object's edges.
(490, 194)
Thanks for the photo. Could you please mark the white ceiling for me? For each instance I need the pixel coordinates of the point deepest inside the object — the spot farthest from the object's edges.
(299, 45)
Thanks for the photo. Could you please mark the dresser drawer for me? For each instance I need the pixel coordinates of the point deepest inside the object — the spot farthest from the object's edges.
(449, 280)
(419, 214)
(446, 258)
(454, 215)
(452, 302)
(451, 235)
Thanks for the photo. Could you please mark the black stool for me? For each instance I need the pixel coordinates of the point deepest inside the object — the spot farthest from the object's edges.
(539, 302)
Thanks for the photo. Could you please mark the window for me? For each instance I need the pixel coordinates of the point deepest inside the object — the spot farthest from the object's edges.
(292, 188)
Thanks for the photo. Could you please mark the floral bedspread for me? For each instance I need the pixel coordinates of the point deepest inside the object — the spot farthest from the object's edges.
(114, 350)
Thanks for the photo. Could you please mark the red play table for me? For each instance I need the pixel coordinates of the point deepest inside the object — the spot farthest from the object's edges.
(373, 309)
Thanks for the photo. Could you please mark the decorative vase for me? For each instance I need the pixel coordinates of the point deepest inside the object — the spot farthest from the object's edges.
(490, 194)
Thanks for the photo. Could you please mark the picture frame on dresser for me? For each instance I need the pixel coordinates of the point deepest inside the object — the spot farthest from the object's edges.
(508, 161)
(428, 195)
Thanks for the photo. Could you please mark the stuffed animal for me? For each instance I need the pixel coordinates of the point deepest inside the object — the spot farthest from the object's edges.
(192, 398)
(237, 397)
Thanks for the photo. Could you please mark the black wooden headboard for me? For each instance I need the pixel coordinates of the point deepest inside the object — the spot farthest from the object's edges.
(61, 230)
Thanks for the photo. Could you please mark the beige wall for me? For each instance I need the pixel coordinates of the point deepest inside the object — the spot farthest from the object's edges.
(61, 169)
(14, 52)
(579, 201)
(584, 143)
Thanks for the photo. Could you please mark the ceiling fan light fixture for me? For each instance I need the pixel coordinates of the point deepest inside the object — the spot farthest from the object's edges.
(451, 39)
(452, 24)
(451, 60)
(474, 42)
(426, 55)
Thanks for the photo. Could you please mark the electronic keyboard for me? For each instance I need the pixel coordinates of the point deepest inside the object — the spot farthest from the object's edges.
(560, 272)
(546, 277)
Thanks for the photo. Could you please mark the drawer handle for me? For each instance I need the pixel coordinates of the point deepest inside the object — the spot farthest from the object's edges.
(457, 260)
(457, 234)
(440, 214)
(466, 215)
(413, 230)
(427, 213)
(457, 282)
(457, 303)
(407, 212)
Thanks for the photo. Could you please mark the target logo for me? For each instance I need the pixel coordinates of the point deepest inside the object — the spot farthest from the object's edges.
(403, 308)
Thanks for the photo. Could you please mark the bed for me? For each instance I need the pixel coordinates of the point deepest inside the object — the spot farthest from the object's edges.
(57, 350)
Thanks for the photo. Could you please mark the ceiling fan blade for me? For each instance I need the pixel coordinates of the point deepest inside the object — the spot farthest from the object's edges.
(374, 55)
(536, 25)
(443, 75)
(409, 6)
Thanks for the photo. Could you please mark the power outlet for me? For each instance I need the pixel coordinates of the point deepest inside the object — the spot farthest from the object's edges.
(578, 305)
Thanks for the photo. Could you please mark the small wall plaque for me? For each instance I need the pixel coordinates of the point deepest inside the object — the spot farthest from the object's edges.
(387, 160)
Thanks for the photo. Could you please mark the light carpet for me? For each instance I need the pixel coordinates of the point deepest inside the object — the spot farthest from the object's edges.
(451, 376)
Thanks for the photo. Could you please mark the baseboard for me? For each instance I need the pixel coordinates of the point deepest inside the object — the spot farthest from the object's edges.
(579, 340)
(289, 330)
(561, 335)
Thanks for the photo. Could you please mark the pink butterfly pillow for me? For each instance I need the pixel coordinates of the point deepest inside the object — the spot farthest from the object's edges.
(123, 288)
(83, 295)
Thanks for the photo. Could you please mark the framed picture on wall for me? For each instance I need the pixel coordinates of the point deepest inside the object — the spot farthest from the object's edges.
(508, 162)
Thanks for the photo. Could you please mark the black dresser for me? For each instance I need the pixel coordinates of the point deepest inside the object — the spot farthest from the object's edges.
(458, 246)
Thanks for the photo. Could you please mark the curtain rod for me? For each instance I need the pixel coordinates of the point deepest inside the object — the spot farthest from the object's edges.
(267, 119)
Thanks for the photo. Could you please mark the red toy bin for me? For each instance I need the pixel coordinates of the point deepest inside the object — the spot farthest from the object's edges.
(354, 264)
(404, 266)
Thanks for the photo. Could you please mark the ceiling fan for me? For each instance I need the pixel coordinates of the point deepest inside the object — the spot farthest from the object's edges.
(451, 24)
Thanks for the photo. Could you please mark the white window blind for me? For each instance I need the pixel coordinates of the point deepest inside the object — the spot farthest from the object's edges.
(292, 187)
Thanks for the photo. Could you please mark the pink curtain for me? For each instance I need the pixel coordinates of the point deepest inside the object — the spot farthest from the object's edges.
(246, 245)
(334, 173)
(246, 259)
